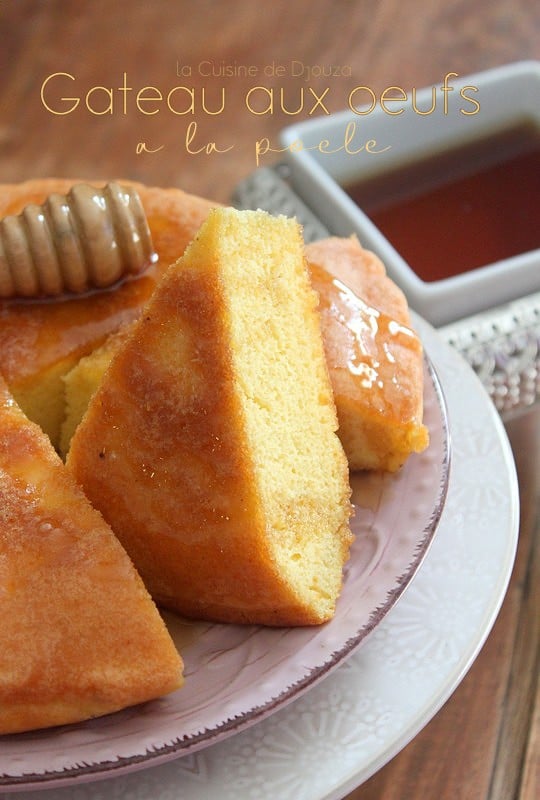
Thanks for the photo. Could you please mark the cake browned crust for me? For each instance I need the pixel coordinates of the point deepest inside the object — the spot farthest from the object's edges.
(210, 445)
(81, 637)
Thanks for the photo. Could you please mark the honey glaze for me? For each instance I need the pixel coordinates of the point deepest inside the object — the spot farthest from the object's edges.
(462, 209)
(36, 333)
(365, 343)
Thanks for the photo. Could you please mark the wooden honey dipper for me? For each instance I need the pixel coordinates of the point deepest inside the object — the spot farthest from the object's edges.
(89, 238)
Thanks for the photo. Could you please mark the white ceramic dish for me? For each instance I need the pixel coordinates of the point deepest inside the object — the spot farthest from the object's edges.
(346, 727)
(237, 675)
(508, 95)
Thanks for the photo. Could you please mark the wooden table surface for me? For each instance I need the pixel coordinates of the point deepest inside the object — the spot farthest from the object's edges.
(484, 743)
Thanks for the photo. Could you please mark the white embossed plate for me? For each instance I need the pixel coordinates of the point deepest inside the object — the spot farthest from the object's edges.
(236, 676)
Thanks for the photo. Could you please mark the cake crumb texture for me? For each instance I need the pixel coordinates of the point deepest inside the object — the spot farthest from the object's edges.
(210, 445)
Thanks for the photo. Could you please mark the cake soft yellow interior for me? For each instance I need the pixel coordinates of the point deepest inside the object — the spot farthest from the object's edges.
(81, 382)
(210, 445)
(81, 636)
(375, 359)
(41, 341)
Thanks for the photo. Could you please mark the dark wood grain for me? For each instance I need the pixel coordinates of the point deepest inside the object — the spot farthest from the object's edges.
(484, 743)
(380, 44)
(530, 778)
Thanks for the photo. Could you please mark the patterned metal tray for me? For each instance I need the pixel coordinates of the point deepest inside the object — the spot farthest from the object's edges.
(502, 344)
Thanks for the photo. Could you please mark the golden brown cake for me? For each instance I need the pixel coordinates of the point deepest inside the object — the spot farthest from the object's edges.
(374, 357)
(210, 445)
(41, 341)
(81, 637)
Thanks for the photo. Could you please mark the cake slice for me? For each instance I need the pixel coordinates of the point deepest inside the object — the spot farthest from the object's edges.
(211, 447)
(81, 637)
(374, 357)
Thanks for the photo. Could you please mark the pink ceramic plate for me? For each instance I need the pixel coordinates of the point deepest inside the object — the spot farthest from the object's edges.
(236, 675)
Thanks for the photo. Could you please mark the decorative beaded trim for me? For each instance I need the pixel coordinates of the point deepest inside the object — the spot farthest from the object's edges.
(503, 347)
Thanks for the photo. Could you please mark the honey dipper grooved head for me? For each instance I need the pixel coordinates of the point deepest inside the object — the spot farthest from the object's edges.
(89, 238)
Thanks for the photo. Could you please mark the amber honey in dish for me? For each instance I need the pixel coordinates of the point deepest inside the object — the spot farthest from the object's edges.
(462, 209)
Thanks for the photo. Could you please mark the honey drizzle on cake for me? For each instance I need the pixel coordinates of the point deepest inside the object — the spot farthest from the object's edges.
(369, 333)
